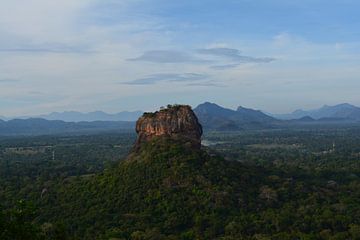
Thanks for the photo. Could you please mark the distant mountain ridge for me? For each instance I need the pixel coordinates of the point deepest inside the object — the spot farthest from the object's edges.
(74, 116)
(210, 115)
(340, 111)
(213, 116)
(38, 126)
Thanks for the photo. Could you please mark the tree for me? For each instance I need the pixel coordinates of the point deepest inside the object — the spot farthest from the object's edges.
(16, 224)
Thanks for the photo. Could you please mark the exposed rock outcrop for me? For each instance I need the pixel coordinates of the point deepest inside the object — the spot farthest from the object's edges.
(175, 122)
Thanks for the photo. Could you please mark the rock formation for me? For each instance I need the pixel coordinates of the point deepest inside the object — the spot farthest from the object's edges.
(175, 122)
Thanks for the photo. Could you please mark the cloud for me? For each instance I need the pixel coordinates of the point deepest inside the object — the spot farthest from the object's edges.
(40, 20)
(234, 56)
(229, 57)
(222, 52)
(224, 67)
(51, 49)
(166, 56)
(46, 45)
(168, 77)
(9, 80)
(206, 84)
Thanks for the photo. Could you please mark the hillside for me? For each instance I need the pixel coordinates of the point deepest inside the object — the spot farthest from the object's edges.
(164, 190)
(167, 188)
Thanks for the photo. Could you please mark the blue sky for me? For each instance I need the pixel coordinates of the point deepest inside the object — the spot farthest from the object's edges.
(88, 55)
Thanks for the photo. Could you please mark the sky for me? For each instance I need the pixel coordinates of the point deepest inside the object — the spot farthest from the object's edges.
(116, 55)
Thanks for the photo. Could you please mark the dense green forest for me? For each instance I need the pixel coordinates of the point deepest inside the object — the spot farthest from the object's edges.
(276, 184)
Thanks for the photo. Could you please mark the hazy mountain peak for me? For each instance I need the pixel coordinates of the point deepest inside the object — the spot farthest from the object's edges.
(209, 104)
(241, 108)
(307, 119)
(208, 107)
(339, 111)
(341, 105)
(213, 116)
(98, 112)
(347, 105)
(298, 111)
(74, 116)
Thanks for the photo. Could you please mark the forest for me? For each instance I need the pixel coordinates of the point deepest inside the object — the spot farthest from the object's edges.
(273, 184)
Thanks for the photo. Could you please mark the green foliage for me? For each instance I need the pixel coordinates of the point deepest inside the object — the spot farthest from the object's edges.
(165, 188)
(168, 108)
(283, 186)
(16, 223)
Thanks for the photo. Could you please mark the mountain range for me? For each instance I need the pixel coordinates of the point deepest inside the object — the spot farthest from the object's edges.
(210, 115)
(211, 111)
(38, 126)
(73, 116)
(340, 111)
(215, 117)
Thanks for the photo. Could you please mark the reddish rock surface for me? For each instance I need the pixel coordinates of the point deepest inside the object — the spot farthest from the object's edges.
(176, 122)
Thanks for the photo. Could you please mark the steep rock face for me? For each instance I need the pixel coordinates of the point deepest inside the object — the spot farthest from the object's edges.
(175, 122)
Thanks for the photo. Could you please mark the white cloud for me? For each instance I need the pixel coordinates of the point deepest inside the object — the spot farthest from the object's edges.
(73, 54)
(40, 20)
